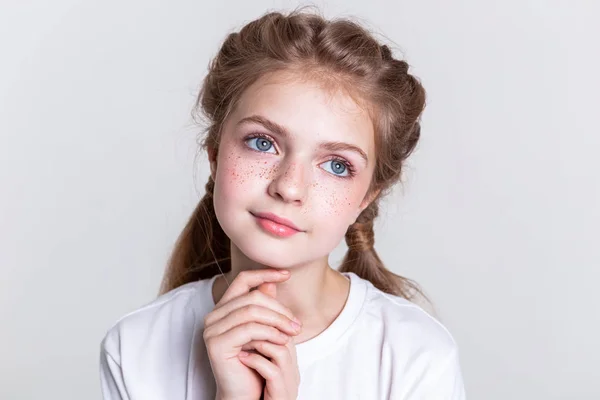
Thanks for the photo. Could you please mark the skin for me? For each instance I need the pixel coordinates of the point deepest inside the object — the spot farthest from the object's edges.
(293, 176)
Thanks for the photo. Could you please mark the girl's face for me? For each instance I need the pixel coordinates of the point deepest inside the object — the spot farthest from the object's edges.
(290, 150)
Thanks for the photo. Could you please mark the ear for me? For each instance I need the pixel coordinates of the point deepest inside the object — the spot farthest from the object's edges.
(212, 159)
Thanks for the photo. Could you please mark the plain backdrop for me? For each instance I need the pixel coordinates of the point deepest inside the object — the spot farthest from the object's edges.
(498, 218)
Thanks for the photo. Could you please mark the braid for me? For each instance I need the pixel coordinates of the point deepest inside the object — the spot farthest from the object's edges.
(202, 249)
(362, 259)
(386, 53)
(360, 236)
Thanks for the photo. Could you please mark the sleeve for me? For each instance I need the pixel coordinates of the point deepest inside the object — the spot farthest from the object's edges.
(111, 377)
(449, 382)
(443, 382)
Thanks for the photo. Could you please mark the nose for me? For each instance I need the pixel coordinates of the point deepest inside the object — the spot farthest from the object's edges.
(290, 182)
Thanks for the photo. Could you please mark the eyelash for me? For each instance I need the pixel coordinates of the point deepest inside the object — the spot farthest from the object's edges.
(349, 167)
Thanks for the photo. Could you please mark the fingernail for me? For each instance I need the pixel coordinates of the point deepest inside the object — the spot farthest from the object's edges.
(284, 272)
(295, 326)
(244, 354)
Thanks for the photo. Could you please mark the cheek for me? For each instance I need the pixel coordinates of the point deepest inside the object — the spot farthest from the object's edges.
(238, 174)
(336, 203)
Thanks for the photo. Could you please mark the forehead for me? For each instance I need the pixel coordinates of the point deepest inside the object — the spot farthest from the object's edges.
(309, 110)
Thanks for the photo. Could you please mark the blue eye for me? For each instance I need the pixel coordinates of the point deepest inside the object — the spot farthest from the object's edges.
(337, 167)
(260, 144)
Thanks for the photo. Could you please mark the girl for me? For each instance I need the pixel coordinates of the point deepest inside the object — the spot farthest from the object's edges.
(310, 122)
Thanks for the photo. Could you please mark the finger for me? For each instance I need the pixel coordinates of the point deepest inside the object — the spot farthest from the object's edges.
(249, 279)
(277, 354)
(269, 371)
(255, 297)
(292, 349)
(238, 336)
(280, 357)
(283, 356)
(253, 313)
(270, 289)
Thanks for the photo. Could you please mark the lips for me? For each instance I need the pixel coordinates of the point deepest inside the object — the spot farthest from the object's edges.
(275, 225)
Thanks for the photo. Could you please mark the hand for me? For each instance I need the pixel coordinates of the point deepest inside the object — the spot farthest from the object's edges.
(240, 317)
(277, 364)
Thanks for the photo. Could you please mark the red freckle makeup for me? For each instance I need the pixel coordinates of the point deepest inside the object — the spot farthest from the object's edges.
(314, 191)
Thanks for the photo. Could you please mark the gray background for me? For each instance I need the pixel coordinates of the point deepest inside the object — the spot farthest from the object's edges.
(499, 218)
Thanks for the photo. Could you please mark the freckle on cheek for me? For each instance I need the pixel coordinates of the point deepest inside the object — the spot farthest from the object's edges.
(271, 173)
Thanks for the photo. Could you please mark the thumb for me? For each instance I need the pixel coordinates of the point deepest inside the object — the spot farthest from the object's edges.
(268, 288)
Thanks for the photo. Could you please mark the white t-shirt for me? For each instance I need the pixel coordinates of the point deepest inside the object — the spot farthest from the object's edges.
(379, 347)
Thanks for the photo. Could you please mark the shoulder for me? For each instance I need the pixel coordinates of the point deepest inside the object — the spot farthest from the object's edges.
(174, 311)
(406, 327)
(418, 352)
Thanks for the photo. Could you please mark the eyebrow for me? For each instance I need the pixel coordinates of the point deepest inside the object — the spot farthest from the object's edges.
(280, 130)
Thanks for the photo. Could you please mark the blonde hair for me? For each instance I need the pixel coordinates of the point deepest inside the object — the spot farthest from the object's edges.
(343, 55)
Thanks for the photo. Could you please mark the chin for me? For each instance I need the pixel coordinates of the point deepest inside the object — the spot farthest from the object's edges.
(274, 255)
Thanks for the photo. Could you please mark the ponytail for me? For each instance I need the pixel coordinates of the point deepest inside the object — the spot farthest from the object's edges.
(202, 249)
(362, 259)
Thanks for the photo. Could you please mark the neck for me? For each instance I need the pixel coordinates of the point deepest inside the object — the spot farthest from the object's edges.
(315, 293)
